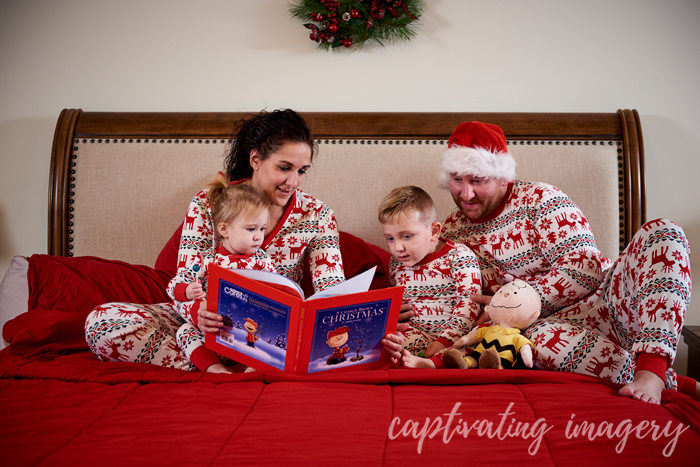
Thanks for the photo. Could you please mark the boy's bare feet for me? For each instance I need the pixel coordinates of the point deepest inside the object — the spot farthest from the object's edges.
(412, 361)
(646, 387)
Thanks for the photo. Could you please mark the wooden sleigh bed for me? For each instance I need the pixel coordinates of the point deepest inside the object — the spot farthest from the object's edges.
(62, 406)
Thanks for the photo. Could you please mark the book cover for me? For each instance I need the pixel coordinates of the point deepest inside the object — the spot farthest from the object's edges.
(268, 324)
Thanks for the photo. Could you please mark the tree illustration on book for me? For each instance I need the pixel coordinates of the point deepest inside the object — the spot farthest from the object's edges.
(359, 340)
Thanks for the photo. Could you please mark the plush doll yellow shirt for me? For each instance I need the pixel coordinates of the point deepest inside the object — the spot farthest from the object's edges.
(514, 307)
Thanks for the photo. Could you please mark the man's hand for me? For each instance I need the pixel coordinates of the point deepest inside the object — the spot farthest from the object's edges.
(208, 321)
(482, 300)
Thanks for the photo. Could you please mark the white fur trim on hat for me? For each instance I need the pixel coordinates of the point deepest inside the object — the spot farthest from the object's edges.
(479, 162)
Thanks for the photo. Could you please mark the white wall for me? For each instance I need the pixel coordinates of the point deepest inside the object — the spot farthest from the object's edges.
(243, 55)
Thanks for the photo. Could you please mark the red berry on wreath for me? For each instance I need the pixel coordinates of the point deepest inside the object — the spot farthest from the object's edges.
(318, 17)
(333, 27)
(347, 43)
(313, 36)
(354, 13)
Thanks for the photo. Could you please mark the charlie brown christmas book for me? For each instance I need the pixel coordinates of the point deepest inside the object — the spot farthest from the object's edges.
(269, 325)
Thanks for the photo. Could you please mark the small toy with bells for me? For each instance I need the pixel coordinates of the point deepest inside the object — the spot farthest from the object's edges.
(513, 308)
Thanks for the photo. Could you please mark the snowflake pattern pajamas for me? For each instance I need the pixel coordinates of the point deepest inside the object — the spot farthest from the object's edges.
(598, 318)
(438, 288)
(307, 228)
(190, 338)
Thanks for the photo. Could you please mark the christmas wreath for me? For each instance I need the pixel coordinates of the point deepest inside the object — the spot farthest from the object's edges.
(351, 23)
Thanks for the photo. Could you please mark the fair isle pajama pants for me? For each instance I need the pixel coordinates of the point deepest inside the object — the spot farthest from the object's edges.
(638, 309)
(127, 332)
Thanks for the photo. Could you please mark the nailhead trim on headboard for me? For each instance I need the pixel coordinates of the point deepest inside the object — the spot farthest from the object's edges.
(74, 159)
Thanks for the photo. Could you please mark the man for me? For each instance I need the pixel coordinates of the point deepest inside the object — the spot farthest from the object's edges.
(619, 321)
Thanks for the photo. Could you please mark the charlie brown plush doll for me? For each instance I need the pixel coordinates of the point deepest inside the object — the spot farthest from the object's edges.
(513, 308)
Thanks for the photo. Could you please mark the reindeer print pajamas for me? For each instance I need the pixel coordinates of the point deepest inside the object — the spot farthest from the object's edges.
(598, 318)
(438, 288)
(147, 333)
(190, 338)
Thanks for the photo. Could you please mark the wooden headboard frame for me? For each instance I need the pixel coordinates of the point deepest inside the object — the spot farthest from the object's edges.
(622, 126)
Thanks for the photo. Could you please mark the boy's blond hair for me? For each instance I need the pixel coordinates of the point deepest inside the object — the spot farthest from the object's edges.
(230, 201)
(406, 200)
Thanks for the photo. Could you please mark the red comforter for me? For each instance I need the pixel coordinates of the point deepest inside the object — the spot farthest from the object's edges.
(62, 406)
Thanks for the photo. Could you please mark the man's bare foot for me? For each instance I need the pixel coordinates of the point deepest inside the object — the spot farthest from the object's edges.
(250, 369)
(218, 368)
(646, 387)
(412, 361)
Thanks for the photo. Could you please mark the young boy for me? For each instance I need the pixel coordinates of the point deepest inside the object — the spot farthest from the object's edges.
(439, 276)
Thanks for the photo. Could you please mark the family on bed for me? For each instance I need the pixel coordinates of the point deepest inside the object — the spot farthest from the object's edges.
(624, 316)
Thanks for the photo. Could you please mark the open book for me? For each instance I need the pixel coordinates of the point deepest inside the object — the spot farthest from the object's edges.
(269, 325)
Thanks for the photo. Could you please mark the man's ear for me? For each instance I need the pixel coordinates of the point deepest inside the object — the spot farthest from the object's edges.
(435, 229)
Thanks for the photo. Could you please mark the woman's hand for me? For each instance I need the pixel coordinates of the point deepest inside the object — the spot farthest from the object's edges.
(208, 321)
(195, 291)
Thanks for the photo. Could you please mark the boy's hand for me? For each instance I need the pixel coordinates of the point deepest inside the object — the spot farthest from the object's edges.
(406, 312)
(393, 343)
(195, 291)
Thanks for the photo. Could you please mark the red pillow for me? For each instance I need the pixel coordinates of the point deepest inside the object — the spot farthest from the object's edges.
(79, 284)
(167, 259)
(63, 290)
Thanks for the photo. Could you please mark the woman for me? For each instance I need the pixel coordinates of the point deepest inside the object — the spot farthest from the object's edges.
(272, 151)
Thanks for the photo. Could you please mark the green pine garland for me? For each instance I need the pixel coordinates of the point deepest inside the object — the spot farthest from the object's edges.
(352, 23)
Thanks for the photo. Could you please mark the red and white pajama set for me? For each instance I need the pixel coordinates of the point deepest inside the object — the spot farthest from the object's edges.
(438, 288)
(148, 333)
(599, 318)
(190, 338)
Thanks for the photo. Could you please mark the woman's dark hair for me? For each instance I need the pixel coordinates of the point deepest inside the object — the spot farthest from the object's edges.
(265, 132)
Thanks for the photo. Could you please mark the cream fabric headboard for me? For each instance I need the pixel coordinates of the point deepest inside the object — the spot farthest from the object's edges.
(121, 196)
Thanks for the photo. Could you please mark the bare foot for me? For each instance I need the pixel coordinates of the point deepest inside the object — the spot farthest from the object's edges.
(411, 361)
(250, 369)
(218, 368)
(646, 387)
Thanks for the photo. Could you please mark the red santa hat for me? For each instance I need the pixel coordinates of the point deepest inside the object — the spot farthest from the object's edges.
(478, 149)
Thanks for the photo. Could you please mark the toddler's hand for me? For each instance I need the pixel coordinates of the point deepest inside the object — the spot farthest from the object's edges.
(195, 291)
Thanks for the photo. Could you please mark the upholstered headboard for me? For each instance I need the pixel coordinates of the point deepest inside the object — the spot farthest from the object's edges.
(121, 182)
